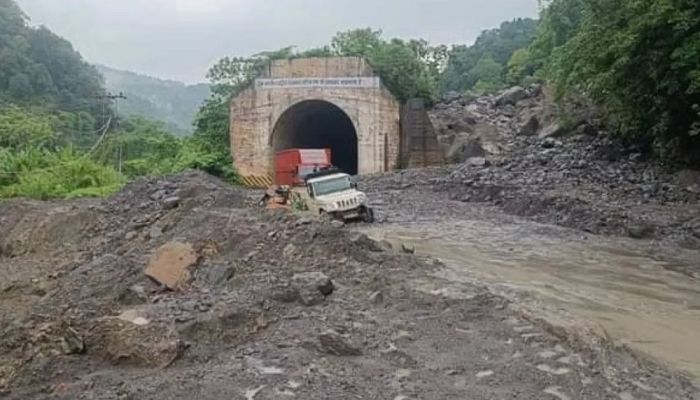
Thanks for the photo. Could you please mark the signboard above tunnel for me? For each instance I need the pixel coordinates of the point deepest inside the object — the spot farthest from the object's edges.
(305, 83)
(337, 103)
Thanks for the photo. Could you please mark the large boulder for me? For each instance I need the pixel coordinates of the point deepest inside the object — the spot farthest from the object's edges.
(451, 96)
(689, 180)
(171, 265)
(312, 287)
(465, 148)
(553, 130)
(530, 127)
(640, 231)
(511, 96)
(334, 343)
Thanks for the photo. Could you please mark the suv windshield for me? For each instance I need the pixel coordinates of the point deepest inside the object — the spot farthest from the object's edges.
(332, 185)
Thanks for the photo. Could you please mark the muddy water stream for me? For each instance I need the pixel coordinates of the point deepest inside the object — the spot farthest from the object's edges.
(611, 285)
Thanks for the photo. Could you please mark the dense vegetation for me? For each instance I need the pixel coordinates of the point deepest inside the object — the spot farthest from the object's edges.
(173, 103)
(40, 69)
(60, 136)
(484, 66)
(51, 104)
(639, 60)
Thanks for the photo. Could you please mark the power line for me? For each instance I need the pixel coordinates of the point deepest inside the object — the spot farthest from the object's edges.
(113, 120)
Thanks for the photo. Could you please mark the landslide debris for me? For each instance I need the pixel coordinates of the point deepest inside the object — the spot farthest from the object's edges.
(522, 153)
(265, 305)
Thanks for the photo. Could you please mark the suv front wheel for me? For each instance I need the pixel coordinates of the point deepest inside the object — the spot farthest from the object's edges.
(367, 215)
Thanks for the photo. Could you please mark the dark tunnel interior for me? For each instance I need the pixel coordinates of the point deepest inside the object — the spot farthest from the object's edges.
(317, 124)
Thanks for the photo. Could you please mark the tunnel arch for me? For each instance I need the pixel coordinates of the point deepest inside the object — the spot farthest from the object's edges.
(312, 124)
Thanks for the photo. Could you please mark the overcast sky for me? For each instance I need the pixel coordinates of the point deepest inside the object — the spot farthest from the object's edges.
(180, 39)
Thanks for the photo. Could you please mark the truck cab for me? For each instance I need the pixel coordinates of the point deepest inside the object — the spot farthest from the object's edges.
(334, 193)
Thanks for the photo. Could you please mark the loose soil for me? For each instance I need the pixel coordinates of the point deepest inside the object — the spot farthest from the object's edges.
(258, 320)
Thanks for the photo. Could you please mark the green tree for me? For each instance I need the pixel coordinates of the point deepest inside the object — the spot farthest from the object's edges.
(140, 148)
(492, 46)
(519, 67)
(487, 72)
(560, 21)
(638, 59)
(407, 68)
(41, 69)
(209, 148)
(357, 42)
(20, 129)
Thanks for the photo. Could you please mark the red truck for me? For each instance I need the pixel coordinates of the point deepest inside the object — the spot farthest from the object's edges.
(293, 165)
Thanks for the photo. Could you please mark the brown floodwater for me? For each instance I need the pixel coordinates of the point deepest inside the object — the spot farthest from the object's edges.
(615, 286)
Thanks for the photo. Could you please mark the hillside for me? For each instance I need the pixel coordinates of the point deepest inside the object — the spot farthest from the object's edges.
(41, 70)
(174, 103)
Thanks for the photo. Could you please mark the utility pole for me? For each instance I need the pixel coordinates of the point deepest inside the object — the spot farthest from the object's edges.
(115, 99)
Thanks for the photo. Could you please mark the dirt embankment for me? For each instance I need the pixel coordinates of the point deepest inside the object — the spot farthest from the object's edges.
(271, 306)
(513, 151)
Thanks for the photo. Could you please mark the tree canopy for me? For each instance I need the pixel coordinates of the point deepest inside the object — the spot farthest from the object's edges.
(637, 59)
(483, 66)
(38, 67)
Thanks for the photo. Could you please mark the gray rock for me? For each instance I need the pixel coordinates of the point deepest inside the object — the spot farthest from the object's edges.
(386, 245)
(289, 251)
(477, 162)
(586, 129)
(696, 231)
(464, 148)
(214, 275)
(133, 295)
(552, 130)
(304, 221)
(284, 294)
(408, 249)
(530, 128)
(131, 235)
(689, 180)
(451, 96)
(511, 96)
(377, 297)
(157, 195)
(640, 231)
(364, 241)
(535, 89)
(336, 344)
(313, 287)
(171, 202)
(550, 143)
(155, 232)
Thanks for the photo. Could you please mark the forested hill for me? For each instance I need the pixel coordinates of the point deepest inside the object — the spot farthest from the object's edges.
(41, 69)
(171, 102)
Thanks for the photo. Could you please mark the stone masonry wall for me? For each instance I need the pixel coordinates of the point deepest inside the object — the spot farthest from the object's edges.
(373, 111)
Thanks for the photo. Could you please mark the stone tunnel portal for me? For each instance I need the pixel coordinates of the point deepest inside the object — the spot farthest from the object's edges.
(317, 124)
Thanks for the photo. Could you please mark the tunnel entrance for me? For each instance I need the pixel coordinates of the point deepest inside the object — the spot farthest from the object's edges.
(317, 124)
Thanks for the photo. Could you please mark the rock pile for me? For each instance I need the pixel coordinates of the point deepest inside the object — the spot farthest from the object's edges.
(145, 296)
(514, 151)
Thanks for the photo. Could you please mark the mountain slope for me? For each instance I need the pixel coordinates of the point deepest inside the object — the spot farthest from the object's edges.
(174, 103)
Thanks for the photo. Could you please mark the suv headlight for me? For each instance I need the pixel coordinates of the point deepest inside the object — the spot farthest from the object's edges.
(362, 198)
